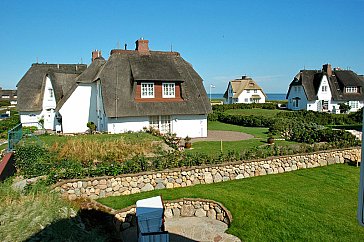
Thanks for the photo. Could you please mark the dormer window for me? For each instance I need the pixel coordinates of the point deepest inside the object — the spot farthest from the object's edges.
(147, 90)
(351, 89)
(169, 90)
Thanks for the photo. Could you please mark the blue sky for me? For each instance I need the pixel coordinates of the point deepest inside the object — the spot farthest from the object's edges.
(267, 40)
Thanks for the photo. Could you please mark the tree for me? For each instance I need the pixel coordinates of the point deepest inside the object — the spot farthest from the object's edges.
(92, 127)
(344, 108)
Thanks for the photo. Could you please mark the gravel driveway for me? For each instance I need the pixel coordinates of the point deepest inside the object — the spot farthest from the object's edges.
(217, 135)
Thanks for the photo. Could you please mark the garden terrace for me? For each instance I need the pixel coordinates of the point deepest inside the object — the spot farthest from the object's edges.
(307, 205)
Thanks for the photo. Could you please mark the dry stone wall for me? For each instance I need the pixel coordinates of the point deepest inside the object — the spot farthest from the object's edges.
(186, 207)
(94, 188)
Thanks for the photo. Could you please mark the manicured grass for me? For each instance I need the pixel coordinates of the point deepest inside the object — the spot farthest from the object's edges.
(257, 132)
(306, 205)
(256, 112)
(214, 147)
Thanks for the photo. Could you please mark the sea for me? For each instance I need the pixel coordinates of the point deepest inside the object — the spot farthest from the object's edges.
(270, 96)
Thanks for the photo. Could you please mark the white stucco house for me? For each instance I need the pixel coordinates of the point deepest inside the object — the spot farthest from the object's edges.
(131, 90)
(324, 90)
(244, 90)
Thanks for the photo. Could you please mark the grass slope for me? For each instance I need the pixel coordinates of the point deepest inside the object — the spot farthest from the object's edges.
(40, 215)
(306, 205)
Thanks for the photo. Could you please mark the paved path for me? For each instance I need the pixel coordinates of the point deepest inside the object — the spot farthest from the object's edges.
(190, 229)
(199, 229)
(217, 135)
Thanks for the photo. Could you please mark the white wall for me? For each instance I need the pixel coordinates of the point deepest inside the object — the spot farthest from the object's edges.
(122, 125)
(300, 93)
(101, 117)
(182, 125)
(248, 95)
(47, 113)
(30, 118)
(230, 93)
(79, 109)
(190, 125)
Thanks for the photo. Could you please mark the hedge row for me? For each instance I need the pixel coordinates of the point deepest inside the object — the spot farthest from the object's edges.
(33, 160)
(323, 118)
(304, 132)
(222, 108)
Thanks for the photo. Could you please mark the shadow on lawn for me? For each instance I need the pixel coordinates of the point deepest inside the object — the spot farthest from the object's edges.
(90, 225)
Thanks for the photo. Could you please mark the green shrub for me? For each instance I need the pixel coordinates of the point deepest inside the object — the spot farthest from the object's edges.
(248, 121)
(222, 108)
(319, 117)
(9, 123)
(33, 160)
(4, 103)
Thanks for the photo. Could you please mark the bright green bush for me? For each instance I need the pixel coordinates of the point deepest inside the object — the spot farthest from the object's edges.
(248, 121)
(222, 108)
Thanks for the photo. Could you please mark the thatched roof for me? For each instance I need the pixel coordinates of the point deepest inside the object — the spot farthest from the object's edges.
(118, 77)
(120, 73)
(239, 85)
(311, 80)
(31, 86)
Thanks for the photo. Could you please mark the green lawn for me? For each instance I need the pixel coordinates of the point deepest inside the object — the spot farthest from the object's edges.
(255, 111)
(307, 205)
(257, 132)
(214, 147)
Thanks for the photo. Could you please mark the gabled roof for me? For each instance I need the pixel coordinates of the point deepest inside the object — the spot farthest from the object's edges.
(338, 80)
(31, 86)
(119, 76)
(123, 69)
(87, 76)
(239, 85)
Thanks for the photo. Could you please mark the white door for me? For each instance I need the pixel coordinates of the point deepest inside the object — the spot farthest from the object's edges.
(49, 119)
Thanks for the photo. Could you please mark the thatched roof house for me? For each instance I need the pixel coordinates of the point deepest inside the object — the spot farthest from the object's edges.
(131, 90)
(324, 90)
(244, 90)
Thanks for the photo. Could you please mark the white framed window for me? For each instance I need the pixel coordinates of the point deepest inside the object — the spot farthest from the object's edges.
(162, 123)
(295, 102)
(248, 91)
(5, 96)
(325, 105)
(147, 90)
(353, 104)
(154, 122)
(324, 88)
(50, 91)
(255, 91)
(246, 100)
(351, 89)
(169, 90)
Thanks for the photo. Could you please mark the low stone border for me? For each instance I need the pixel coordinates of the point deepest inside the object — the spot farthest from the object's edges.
(126, 184)
(185, 207)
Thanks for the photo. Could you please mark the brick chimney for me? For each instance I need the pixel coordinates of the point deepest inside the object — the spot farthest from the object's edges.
(142, 46)
(327, 68)
(95, 54)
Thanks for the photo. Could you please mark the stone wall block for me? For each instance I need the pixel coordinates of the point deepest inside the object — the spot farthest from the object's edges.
(208, 178)
(187, 210)
(200, 213)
